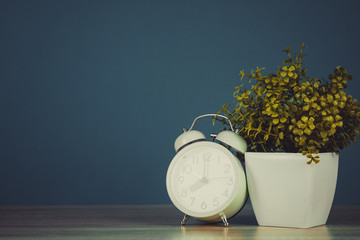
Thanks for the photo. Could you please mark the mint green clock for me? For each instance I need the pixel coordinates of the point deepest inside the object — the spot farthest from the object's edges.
(205, 180)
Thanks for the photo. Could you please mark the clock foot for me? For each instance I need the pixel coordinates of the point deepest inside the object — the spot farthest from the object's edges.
(224, 219)
(186, 217)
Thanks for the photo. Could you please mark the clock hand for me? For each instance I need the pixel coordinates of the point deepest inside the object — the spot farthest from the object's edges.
(219, 178)
(206, 166)
(207, 169)
(199, 184)
(195, 174)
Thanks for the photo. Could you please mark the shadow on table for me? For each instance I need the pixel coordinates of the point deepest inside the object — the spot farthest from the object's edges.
(248, 232)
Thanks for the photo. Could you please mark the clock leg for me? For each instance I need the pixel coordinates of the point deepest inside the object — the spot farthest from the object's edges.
(223, 218)
(186, 217)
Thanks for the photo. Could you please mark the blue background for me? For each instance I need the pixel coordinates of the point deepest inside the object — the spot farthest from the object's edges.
(94, 93)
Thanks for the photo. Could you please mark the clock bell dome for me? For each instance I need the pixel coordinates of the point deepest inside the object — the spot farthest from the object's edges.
(188, 137)
(233, 140)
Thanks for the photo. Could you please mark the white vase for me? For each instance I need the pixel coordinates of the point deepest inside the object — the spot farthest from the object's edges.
(287, 192)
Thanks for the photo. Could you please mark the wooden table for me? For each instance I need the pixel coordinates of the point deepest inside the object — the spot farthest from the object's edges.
(157, 222)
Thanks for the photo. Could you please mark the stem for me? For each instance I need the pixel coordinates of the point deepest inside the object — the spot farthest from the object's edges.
(262, 145)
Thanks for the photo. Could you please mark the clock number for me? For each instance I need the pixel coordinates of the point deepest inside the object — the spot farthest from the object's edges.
(207, 156)
(225, 194)
(192, 200)
(187, 169)
(227, 168)
(184, 192)
(215, 202)
(181, 179)
(230, 182)
(203, 205)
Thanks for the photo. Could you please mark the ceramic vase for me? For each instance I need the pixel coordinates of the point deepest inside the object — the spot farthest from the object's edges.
(285, 191)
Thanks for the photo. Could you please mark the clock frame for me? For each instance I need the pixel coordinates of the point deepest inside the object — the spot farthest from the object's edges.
(205, 180)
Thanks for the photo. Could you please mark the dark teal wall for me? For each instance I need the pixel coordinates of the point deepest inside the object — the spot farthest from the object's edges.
(94, 93)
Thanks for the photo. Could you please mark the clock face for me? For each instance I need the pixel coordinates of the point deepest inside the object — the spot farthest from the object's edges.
(203, 179)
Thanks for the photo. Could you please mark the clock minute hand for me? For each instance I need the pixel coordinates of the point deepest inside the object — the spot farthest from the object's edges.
(219, 178)
(206, 166)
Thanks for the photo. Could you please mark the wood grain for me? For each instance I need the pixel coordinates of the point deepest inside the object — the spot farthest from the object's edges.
(157, 222)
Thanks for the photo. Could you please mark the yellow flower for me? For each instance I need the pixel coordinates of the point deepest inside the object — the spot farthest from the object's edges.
(289, 72)
(290, 111)
(281, 135)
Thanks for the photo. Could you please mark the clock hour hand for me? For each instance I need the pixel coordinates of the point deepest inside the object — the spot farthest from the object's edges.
(199, 184)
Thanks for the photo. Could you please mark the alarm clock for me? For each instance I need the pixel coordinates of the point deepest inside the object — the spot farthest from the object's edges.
(205, 180)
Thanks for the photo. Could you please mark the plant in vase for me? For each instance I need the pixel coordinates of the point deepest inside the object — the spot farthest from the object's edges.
(293, 118)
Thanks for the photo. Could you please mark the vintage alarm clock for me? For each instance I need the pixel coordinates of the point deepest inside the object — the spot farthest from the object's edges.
(205, 180)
